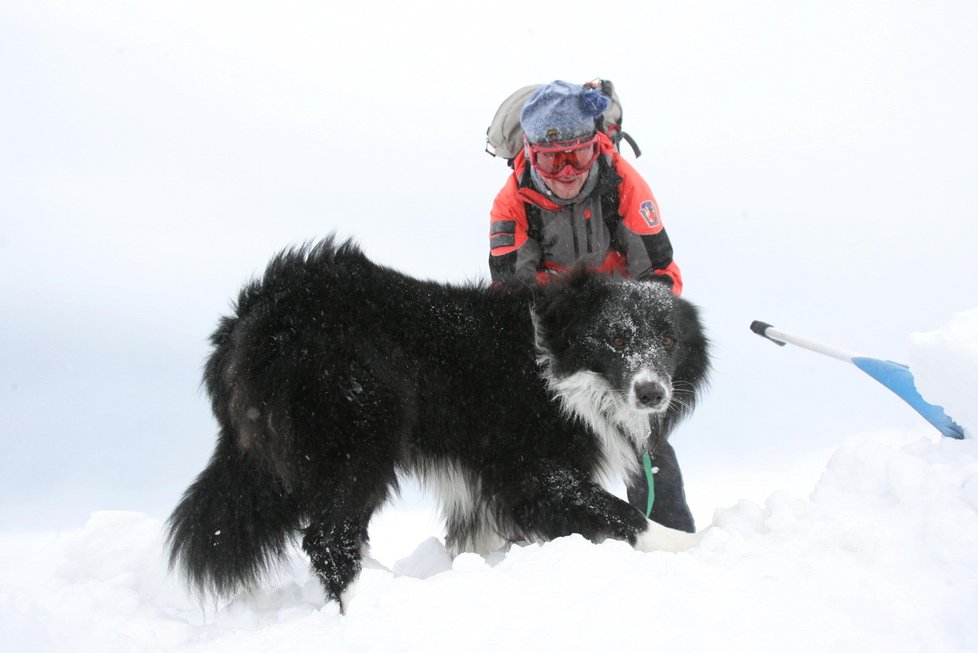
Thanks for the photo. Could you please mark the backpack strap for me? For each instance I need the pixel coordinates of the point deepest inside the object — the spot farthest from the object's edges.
(534, 222)
(625, 136)
(607, 190)
(534, 219)
(610, 121)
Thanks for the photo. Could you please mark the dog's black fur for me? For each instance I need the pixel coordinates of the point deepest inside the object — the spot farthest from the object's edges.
(335, 374)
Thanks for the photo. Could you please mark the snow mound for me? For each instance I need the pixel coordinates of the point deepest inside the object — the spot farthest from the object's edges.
(883, 556)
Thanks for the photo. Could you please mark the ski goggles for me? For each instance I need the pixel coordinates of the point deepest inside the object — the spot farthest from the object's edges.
(551, 159)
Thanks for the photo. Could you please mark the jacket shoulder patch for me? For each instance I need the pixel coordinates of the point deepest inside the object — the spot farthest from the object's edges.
(649, 213)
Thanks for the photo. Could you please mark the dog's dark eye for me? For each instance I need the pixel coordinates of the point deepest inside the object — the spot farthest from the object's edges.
(618, 341)
(668, 341)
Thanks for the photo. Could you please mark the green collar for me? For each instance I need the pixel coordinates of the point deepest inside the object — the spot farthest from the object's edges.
(649, 476)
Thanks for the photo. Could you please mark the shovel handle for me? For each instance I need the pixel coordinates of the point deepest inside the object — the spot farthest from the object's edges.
(767, 331)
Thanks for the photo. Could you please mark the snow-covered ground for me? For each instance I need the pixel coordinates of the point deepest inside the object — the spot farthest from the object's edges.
(882, 556)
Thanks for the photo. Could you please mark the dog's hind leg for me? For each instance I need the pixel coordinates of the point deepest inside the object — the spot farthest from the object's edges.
(345, 497)
(340, 511)
(335, 547)
(354, 422)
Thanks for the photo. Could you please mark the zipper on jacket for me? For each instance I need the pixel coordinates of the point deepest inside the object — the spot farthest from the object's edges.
(573, 225)
(587, 230)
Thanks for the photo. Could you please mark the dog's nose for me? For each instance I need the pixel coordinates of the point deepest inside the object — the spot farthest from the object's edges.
(650, 394)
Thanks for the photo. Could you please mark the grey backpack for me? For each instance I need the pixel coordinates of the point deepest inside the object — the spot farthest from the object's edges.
(504, 138)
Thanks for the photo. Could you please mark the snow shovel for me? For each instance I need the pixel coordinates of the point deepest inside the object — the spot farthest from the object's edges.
(894, 376)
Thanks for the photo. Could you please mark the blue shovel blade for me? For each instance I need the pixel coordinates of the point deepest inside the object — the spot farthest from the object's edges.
(898, 378)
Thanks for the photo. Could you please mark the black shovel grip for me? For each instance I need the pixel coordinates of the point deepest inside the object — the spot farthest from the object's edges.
(760, 328)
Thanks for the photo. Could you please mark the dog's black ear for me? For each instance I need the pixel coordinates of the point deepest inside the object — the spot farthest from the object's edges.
(560, 304)
(695, 364)
(579, 277)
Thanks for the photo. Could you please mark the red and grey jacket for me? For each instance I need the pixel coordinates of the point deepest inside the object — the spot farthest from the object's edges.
(615, 229)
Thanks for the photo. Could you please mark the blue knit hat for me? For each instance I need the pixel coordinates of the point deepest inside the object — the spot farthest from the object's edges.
(561, 111)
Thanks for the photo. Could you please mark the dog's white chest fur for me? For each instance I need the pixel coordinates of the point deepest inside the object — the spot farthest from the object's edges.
(621, 432)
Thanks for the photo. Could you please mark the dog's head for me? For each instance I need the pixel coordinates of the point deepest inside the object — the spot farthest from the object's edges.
(636, 341)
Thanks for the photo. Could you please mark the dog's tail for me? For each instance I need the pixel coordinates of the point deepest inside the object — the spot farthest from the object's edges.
(239, 515)
(232, 523)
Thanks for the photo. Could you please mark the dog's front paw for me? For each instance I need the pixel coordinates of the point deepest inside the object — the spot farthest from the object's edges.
(657, 537)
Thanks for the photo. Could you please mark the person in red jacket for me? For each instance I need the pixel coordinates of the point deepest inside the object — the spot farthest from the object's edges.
(572, 199)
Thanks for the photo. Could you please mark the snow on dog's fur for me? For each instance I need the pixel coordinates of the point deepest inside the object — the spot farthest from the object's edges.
(511, 403)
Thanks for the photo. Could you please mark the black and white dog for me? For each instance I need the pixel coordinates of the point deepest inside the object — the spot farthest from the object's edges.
(512, 403)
